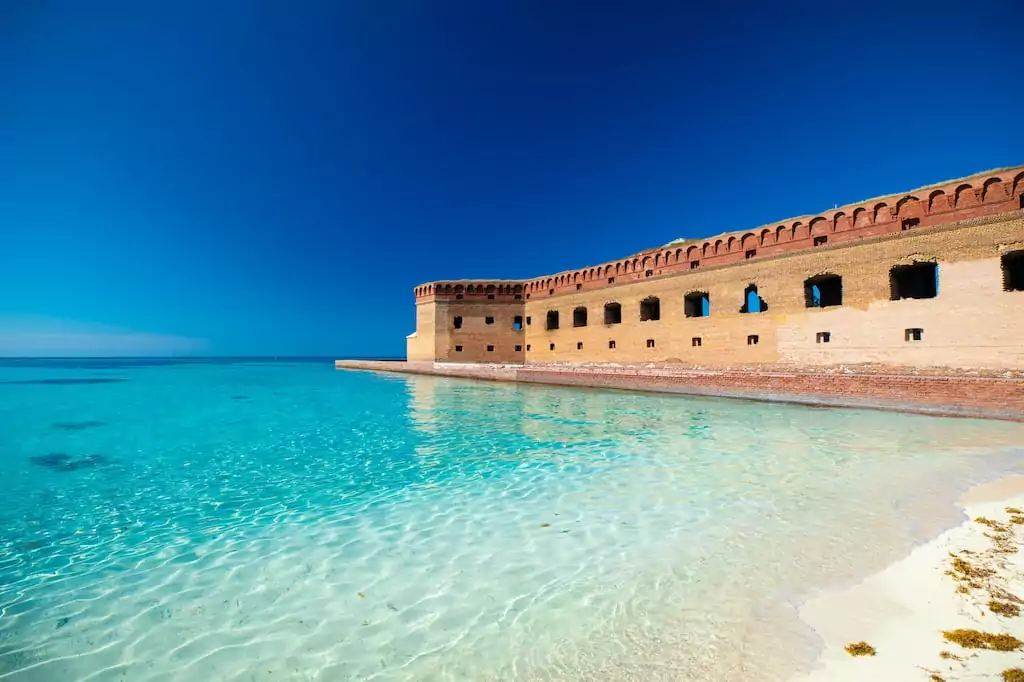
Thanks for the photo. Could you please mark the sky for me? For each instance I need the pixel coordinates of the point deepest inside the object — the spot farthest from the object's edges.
(274, 178)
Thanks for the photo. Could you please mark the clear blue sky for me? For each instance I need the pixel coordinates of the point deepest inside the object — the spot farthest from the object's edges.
(274, 178)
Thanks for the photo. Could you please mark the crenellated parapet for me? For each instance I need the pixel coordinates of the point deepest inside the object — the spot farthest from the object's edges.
(978, 196)
(985, 194)
(471, 290)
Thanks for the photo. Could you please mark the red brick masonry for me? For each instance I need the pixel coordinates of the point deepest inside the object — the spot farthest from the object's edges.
(991, 397)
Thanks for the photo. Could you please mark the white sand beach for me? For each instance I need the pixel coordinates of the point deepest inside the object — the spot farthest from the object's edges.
(953, 582)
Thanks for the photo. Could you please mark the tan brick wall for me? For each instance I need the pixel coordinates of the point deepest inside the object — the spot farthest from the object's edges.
(420, 344)
(476, 335)
(972, 322)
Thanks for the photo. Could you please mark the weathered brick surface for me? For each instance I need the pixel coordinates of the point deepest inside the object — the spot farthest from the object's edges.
(965, 227)
(987, 397)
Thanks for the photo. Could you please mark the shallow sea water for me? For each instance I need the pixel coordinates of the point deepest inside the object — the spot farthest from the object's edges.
(240, 521)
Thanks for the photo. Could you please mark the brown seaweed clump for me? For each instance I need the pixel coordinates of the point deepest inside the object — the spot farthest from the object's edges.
(860, 649)
(1013, 510)
(1013, 675)
(973, 639)
(1004, 608)
(949, 655)
(935, 677)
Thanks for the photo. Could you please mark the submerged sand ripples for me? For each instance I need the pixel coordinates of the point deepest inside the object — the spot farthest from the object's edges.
(349, 527)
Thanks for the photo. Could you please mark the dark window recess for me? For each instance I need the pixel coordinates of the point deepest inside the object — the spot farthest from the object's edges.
(750, 253)
(910, 223)
(552, 346)
(519, 297)
(579, 345)
(579, 317)
(697, 304)
(458, 296)
(820, 241)
(551, 292)
(650, 309)
(913, 334)
(489, 320)
(919, 280)
(823, 291)
(752, 302)
(648, 273)
(612, 313)
(458, 349)
(694, 264)
(490, 296)
(578, 286)
(527, 346)
(824, 337)
(552, 319)
(517, 323)
(519, 348)
(753, 339)
(529, 320)
(611, 344)
(457, 322)
(696, 342)
(1022, 202)
(650, 343)
(528, 296)
(1013, 270)
(490, 349)
(611, 280)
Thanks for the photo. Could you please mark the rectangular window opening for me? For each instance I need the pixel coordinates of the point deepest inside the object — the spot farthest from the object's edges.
(910, 223)
(824, 337)
(489, 320)
(517, 323)
(611, 344)
(917, 280)
(551, 292)
(696, 342)
(519, 297)
(650, 309)
(458, 349)
(552, 319)
(612, 313)
(611, 280)
(519, 348)
(823, 291)
(529, 320)
(551, 347)
(821, 241)
(457, 322)
(694, 264)
(458, 296)
(1013, 270)
(579, 286)
(527, 346)
(697, 304)
(579, 317)
(750, 253)
(753, 339)
(650, 343)
(579, 345)
(490, 296)
(914, 334)
(648, 273)
(490, 349)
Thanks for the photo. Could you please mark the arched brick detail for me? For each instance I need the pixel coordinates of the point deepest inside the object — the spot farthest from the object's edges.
(993, 190)
(766, 237)
(861, 217)
(800, 231)
(719, 247)
(748, 241)
(840, 222)
(730, 245)
(819, 226)
(1018, 184)
(907, 205)
(882, 213)
(783, 234)
(938, 201)
(965, 196)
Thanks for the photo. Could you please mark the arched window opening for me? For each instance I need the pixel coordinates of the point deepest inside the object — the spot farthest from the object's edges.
(650, 309)
(697, 304)
(918, 280)
(612, 313)
(752, 302)
(552, 321)
(823, 291)
(579, 317)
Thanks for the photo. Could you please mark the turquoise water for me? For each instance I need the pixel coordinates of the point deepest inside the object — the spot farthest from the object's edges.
(285, 521)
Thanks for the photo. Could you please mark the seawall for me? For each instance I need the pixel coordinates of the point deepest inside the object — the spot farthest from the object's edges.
(944, 394)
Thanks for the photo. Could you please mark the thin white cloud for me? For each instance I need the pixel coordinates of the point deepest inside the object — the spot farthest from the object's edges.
(41, 336)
